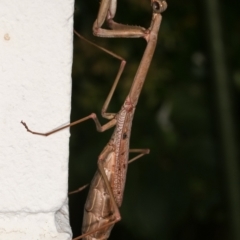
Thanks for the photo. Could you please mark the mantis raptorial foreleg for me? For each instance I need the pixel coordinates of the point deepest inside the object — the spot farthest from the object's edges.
(106, 12)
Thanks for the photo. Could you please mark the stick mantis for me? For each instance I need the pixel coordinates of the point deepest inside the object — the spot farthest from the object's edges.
(107, 187)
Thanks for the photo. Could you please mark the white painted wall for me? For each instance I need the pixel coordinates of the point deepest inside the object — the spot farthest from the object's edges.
(35, 73)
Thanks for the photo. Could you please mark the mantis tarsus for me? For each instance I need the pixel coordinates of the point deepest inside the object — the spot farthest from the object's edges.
(106, 191)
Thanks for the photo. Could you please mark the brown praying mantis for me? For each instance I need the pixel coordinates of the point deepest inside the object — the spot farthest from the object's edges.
(105, 196)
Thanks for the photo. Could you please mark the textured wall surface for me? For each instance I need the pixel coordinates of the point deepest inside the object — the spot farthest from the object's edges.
(35, 72)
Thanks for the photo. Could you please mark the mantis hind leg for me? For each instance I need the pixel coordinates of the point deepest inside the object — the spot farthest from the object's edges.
(141, 151)
(115, 215)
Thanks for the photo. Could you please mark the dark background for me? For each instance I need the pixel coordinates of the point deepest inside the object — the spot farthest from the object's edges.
(187, 188)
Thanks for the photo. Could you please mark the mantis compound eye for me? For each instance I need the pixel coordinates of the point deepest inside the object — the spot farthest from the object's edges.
(159, 6)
